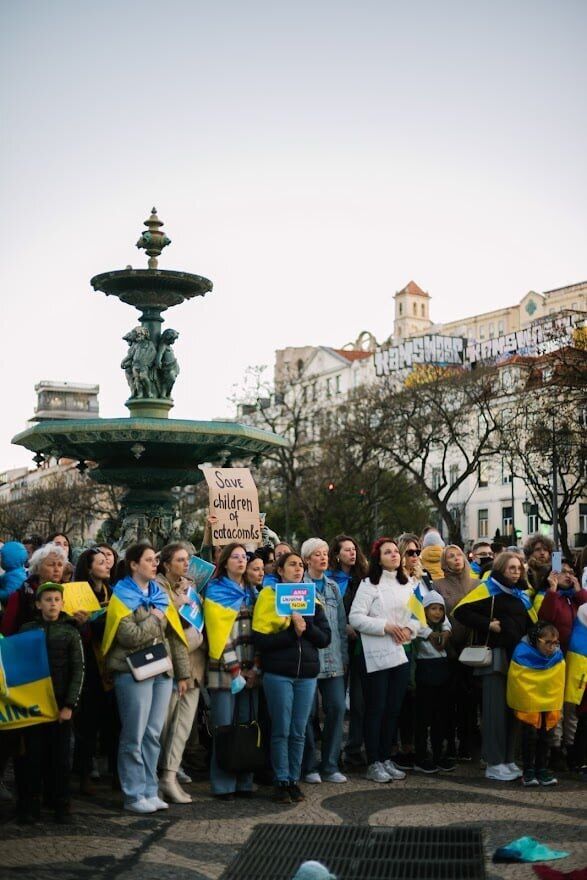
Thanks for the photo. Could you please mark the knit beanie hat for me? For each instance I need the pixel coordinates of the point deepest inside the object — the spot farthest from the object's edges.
(432, 539)
(433, 598)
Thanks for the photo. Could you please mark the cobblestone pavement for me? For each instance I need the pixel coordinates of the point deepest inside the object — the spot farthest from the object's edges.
(197, 841)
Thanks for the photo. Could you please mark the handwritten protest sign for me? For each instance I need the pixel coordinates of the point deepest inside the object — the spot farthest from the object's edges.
(192, 611)
(79, 596)
(295, 598)
(234, 500)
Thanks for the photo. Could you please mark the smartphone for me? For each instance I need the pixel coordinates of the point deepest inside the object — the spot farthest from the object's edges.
(557, 561)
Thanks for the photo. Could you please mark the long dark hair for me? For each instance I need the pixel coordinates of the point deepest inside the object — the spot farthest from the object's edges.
(375, 567)
(282, 559)
(224, 557)
(134, 553)
(359, 569)
(83, 569)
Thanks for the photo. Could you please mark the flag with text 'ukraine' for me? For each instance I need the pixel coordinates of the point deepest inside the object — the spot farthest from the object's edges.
(26, 689)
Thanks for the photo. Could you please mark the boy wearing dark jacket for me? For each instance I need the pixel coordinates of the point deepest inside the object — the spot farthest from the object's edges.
(47, 746)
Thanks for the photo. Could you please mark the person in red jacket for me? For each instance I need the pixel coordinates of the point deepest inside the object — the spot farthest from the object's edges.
(558, 604)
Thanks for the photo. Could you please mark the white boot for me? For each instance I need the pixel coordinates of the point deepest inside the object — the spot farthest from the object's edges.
(171, 789)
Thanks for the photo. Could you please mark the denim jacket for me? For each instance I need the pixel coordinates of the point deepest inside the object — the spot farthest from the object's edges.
(335, 657)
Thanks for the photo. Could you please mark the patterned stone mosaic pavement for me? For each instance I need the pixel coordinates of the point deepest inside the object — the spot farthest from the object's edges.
(197, 841)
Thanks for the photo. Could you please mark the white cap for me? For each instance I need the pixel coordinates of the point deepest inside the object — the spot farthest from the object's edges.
(433, 598)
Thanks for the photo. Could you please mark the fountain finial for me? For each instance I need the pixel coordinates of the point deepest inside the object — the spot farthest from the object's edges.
(153, 240)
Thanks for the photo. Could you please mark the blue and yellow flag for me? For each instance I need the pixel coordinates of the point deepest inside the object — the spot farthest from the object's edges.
(266, 620)
(535, 683)
(223, 599)
(491, 587)
(126, 598)
(416, 607)
(577, 661)
(26, 689)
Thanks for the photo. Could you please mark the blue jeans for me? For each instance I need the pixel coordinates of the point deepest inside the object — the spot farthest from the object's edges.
(221, 713)
(142, 706)
(289, 701)
(332, 691)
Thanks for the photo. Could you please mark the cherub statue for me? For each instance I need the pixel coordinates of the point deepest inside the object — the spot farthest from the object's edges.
(126, 364)
(166, 363)
(143, 360)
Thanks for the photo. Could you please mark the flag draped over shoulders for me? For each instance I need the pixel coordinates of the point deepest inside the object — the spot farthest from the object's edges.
(127, 597)
(535, 683)
(26, 690)
(266, 620)
(492, 587)
(223, 599)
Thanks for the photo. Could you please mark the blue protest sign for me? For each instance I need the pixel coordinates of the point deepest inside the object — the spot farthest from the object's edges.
(193, 611)
(295, 599)
(200, 572)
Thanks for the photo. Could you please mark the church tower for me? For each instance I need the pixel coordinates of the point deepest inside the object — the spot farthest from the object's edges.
(412, 312)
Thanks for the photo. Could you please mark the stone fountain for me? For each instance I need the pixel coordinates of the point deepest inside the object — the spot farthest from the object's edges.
(148, 453)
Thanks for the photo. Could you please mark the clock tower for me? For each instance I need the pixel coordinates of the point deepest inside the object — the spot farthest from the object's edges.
(412, 312)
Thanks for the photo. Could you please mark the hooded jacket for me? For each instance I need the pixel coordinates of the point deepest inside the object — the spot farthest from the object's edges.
(13, 556)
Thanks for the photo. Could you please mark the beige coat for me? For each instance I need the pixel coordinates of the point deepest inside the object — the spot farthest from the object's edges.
(197, 652)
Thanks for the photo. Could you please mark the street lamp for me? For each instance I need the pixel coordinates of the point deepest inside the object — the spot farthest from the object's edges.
(526, 506)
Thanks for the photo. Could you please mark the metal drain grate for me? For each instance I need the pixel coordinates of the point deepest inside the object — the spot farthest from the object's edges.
(351, 852)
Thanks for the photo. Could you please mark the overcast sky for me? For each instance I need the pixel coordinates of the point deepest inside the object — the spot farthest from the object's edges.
(310, 158)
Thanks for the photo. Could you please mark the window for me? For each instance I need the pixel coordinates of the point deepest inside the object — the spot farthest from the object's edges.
(483, 523)
(500, 328)
(337, 384)
(483, 476)
(506, 472)
(575, 306)
(401, 309)
(506, 520)
(482, 331)
(415, 309)
(436, 478)
(453, 474)
(423, 310)
(328, 388)
(314, 391)
(583, 518)
(533, 519)
(491, 331)
(305, 394)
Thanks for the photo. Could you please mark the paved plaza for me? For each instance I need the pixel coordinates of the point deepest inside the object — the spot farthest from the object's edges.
(197, 841)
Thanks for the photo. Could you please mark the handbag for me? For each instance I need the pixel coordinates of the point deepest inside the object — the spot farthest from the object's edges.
(478, 655)
(149, 662)
(238, 745)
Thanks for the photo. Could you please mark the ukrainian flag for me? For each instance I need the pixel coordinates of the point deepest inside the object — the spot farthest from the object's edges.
(535, 683)
(223, 599)
(125, 599)
(577, 662)
(26, 689)
(416, 607)
(489, 588)
(265, 618)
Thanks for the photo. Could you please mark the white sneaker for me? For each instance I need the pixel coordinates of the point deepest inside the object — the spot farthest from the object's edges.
(513, 768)
(182, 777)
(141, 806)
(500, 773)
(392, 771)
(313, 778)
(158, 804)
(336, 777)
(377, 773)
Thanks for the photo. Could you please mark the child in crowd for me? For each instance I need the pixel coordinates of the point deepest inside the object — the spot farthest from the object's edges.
(433, 674)
(48, 745)
(535, 691)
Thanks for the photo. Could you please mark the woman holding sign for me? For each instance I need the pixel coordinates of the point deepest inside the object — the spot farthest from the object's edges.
(232, 671)
(174, 562)
(288, 645)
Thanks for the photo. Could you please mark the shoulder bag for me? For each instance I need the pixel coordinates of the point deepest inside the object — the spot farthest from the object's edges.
(151, 661)
(238, 745)
(478, 655)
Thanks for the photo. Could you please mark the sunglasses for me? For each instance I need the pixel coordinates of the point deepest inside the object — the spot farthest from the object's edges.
(412, 553)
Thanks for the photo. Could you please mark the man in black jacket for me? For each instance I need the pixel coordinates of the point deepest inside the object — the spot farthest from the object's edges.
(47, 746)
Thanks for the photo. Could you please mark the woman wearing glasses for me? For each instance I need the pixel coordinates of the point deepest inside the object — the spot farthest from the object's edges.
(232, 671)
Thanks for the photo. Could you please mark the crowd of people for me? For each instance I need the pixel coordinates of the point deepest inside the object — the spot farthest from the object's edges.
(434, 655)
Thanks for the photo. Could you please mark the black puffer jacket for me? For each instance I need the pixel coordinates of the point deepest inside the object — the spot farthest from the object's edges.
(285, 653)
(66, 657)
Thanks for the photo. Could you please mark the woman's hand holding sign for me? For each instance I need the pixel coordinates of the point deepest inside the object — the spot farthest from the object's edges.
(299, 624)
